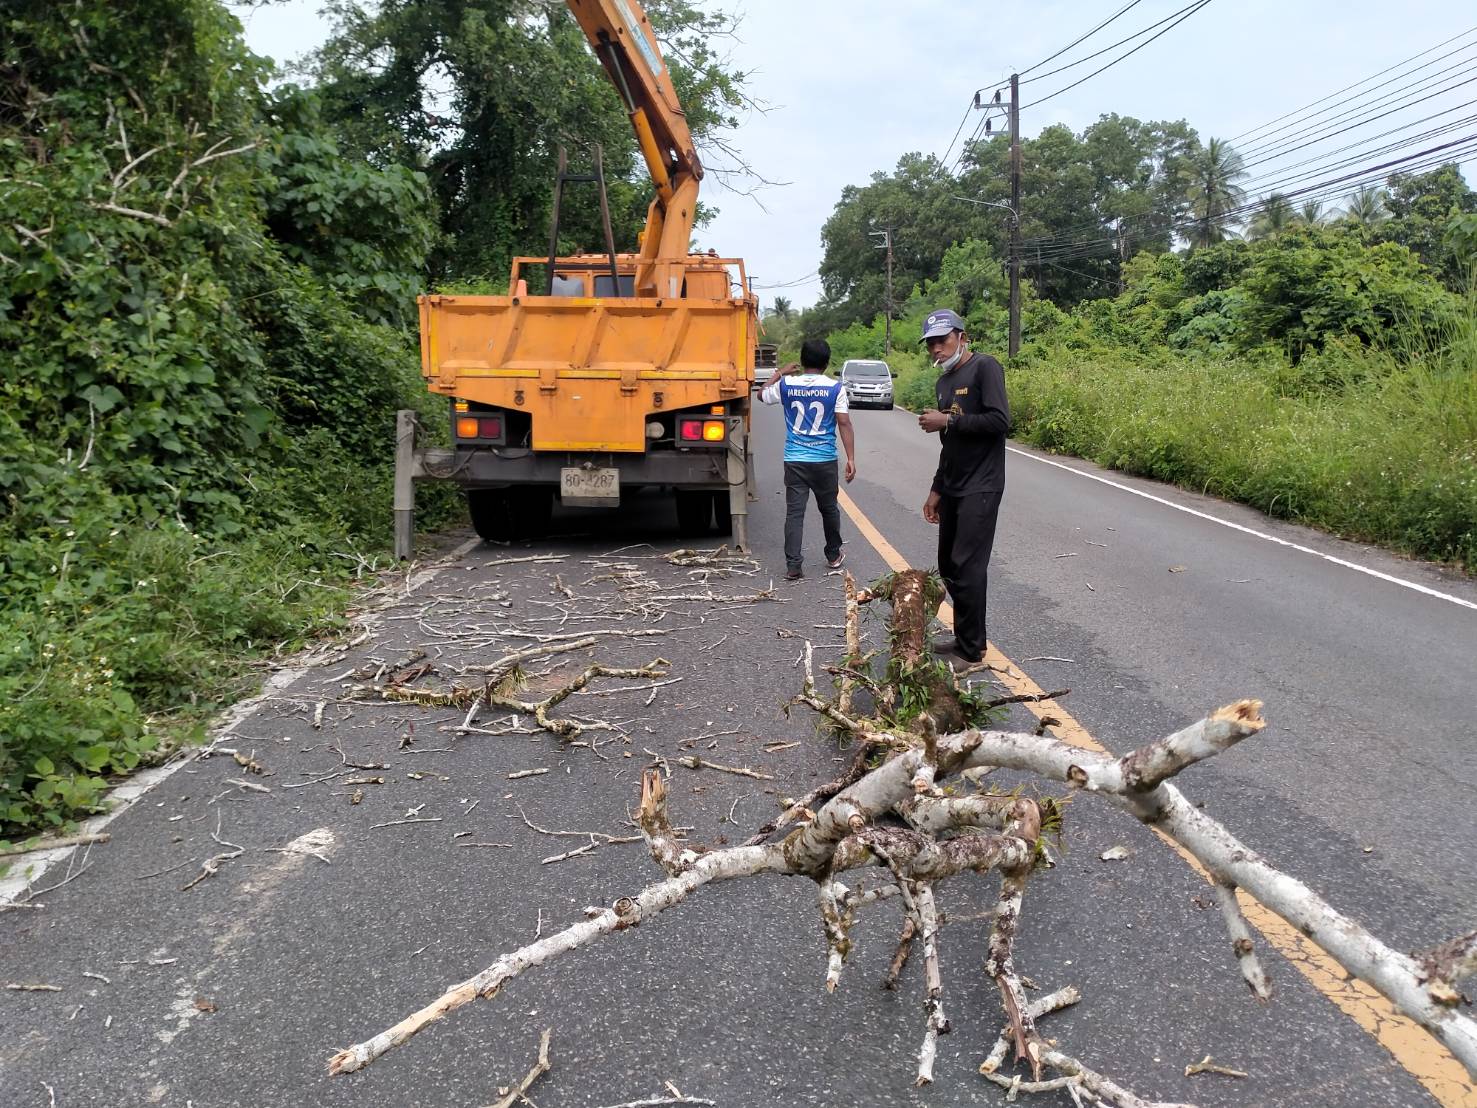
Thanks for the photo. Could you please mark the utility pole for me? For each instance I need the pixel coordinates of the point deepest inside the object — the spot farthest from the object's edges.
(1015, 222)
(886, 244)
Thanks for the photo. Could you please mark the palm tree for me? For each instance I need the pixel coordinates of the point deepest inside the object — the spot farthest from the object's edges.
(1312, 214)
(1275, 216)
(782, 308)
(1367, 209)
(1213, 192)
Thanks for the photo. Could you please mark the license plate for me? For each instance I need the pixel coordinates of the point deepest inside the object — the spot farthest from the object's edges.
(590, 488)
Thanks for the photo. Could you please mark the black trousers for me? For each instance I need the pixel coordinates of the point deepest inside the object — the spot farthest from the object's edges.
(966, 537)
(802, 479)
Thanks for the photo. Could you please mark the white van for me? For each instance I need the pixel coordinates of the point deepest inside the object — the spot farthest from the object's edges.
(868, 383)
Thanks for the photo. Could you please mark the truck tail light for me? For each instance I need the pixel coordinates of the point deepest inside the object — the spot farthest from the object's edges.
(702, 430)
(479, 427)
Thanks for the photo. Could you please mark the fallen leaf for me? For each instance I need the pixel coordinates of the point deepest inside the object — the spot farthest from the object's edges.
(1176, 569)
(204, 1004)
(1115, 854)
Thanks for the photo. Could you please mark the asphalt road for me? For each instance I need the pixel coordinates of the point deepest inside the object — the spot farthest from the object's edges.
(237, 990)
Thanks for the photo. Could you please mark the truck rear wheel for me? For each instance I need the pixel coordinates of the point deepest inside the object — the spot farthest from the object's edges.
(510, 515)
(492, 515)
(694, 512)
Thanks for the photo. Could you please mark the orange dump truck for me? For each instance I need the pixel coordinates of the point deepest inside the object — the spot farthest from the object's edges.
(619, 372)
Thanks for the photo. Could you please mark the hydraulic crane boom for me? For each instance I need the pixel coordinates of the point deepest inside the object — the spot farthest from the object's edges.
(622, 39)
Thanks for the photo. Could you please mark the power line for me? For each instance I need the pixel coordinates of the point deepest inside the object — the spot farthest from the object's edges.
(1258, 184)
(788, 284)
(1084, 38)
(1275, 148)
(1280, 177)
(949, 149)
(1356, 84)
(1343, 185)
(1110, 46)
(1121, 57)
(1079, 273)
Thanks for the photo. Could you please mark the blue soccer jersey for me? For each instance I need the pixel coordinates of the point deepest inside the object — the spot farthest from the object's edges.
(810, 402)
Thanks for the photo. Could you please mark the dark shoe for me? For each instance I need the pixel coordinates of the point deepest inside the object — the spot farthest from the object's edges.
(793, 575)
(944, 644)
(958, 659)
(835, 563)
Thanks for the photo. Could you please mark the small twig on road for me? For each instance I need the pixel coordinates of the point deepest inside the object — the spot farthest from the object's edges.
(211, 866)
(542, 558)
(586, 849)
(398, 822)
(540, 1068)
(252, 785)
(655, 1101)
(56, 844)
(162, 872)
(528, 773)
(1206, 1065)
(22, 987)
(66, 880)
(1021, 698)
(609, 839)
(629, 688)
(692, 761)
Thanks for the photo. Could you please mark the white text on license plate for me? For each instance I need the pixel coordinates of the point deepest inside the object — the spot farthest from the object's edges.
(589, 488)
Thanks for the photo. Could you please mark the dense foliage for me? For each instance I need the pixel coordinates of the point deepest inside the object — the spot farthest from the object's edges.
(1123, 176)
(207, 306)
(1316, 374)
(193, 410)
(480, 96)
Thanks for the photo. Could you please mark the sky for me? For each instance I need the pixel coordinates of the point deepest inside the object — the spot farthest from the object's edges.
(852, 85)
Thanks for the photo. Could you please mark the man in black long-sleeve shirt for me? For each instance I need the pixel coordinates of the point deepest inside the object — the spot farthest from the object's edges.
(971, 418)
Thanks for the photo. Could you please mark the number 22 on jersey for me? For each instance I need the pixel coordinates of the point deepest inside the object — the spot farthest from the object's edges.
(800, 409)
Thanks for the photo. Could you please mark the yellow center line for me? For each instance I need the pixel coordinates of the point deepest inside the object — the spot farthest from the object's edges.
(1417, 1051)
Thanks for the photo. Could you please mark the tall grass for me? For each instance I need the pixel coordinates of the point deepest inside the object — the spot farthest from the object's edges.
(1374, 445)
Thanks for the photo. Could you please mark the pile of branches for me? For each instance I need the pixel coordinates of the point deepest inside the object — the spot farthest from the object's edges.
(907, 808)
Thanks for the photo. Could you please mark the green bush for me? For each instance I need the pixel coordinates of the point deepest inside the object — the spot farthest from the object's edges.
(1361, 442)
(196, 402)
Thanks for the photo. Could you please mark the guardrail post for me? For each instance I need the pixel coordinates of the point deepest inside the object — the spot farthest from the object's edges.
(404, 484)
(740, 476)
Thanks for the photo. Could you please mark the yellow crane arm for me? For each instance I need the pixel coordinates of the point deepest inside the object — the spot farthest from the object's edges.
(622, 39)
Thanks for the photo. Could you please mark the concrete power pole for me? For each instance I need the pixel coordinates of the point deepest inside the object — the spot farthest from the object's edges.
(1015, 222)
(886, 244)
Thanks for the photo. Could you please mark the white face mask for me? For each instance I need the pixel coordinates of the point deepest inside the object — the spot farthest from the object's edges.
(955, 358)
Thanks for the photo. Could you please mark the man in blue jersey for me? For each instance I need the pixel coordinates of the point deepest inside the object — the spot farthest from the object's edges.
(815, 409)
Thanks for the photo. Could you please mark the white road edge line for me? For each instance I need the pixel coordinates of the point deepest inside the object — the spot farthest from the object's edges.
(1249, 530)
(126, 795)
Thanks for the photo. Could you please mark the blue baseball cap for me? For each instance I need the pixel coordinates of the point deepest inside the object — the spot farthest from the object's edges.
(940, 323)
